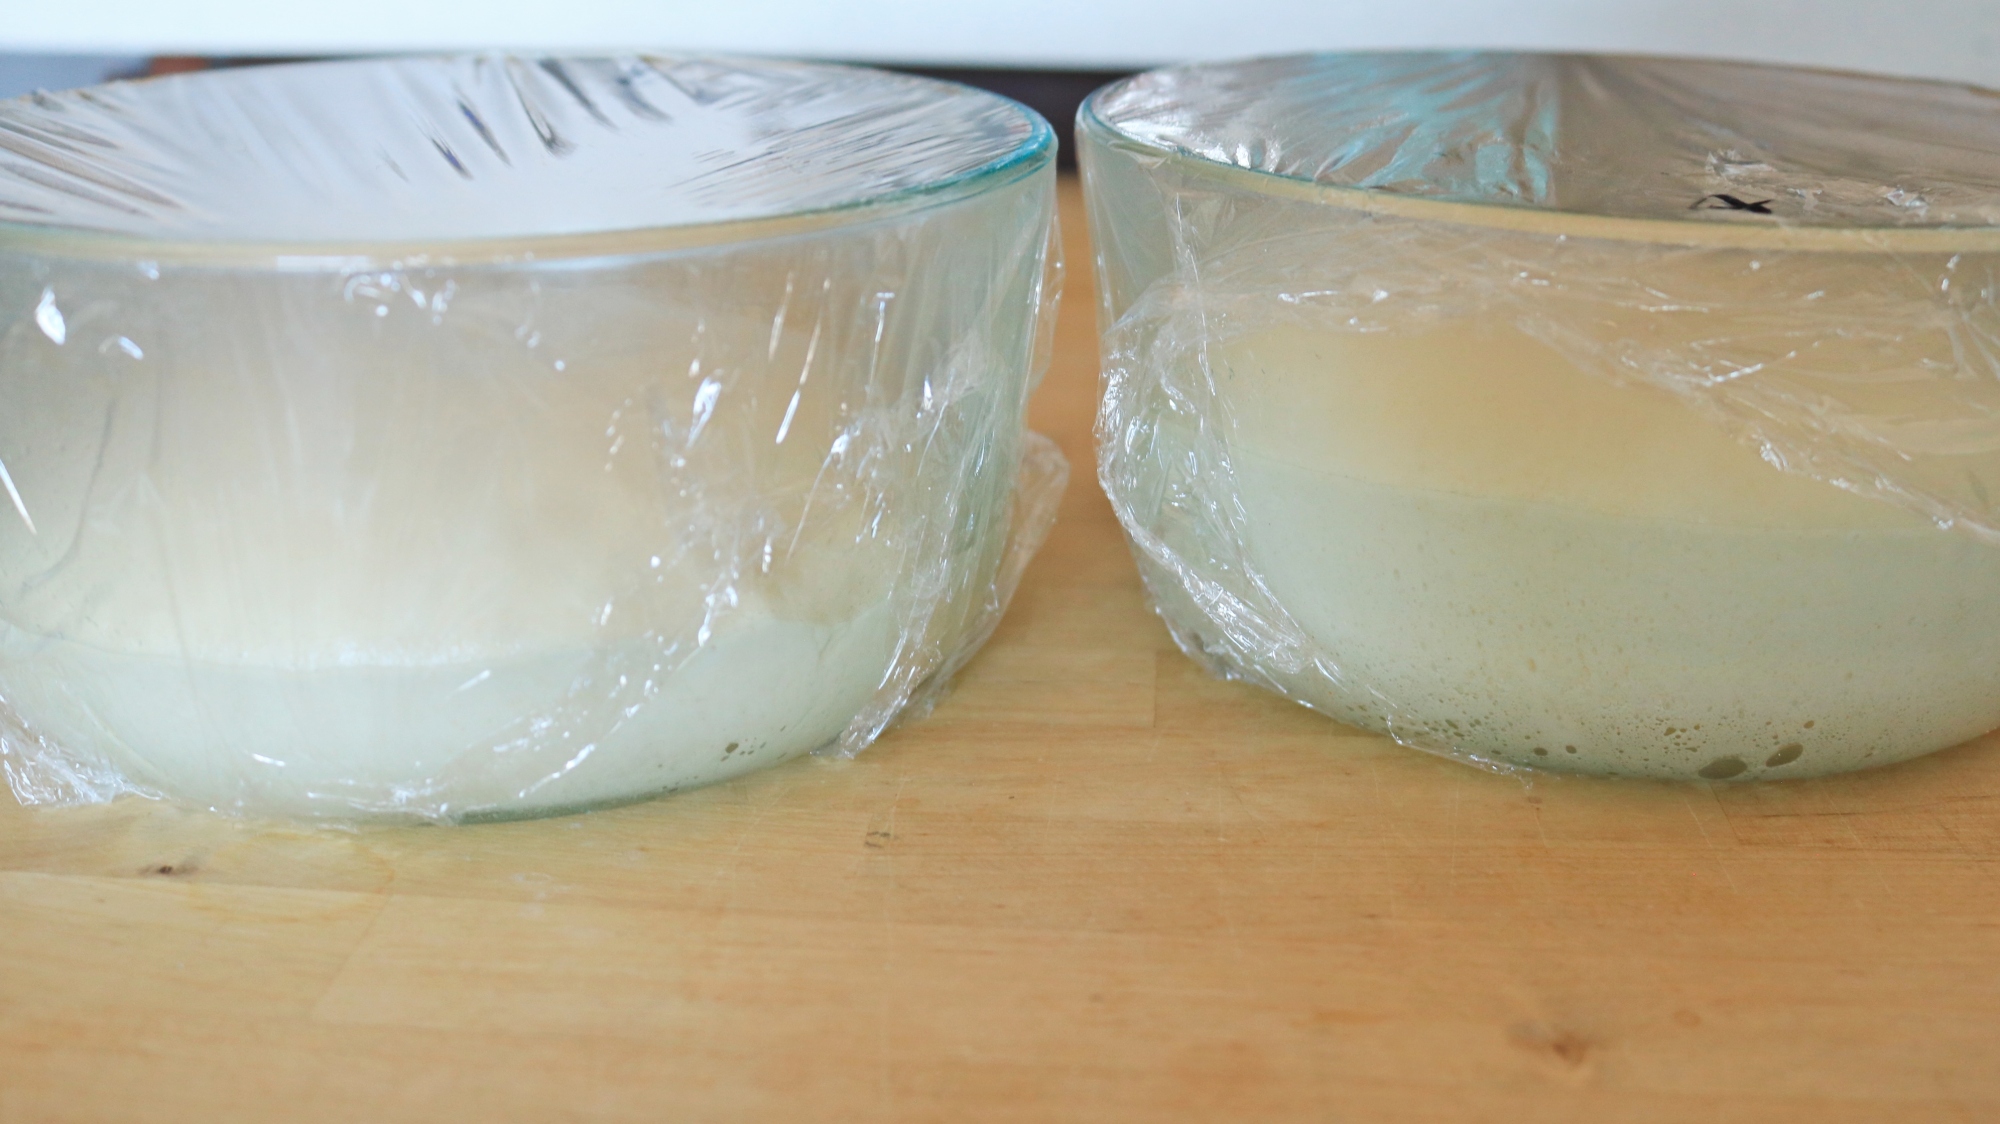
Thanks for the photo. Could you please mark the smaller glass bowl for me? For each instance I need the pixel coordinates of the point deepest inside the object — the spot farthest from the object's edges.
(1619, 415)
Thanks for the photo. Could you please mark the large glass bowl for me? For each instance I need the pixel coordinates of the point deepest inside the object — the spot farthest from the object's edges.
(1610, 414)
(489, 436)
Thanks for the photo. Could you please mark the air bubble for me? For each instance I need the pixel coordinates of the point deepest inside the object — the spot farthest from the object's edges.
(1785, 755)
(1722, 768)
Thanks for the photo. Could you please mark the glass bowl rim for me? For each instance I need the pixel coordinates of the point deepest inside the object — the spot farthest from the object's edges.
(1035, 151)
(1540, 221)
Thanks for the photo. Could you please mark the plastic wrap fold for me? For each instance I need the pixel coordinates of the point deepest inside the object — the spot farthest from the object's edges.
(460, 438)
(1618, 414)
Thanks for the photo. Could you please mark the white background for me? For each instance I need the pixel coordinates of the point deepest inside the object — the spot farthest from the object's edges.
(1938, 38)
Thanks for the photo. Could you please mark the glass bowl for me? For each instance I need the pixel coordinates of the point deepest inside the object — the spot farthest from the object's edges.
(492, 436)
(1617, 415)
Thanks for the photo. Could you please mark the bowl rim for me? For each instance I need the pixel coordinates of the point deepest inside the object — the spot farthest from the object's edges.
(1036, 151)
(1540, 221)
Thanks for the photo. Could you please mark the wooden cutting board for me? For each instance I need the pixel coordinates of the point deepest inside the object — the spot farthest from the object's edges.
(1096, 885)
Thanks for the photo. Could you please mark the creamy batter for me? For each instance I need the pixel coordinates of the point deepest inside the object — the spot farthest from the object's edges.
(523, 581)
(1509, 557)
(511, 735)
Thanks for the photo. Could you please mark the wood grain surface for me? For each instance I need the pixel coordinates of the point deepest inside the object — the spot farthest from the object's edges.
(1096, 885)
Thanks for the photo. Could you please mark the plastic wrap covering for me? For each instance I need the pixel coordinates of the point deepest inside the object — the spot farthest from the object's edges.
(1616, 415)
(457, 438)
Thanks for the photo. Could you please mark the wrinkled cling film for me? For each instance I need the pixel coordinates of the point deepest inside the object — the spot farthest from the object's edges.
(1308, 391)
(506, 527)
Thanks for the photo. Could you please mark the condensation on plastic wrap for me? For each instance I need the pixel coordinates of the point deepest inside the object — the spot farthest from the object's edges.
(473, 437)
(1622, 415)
